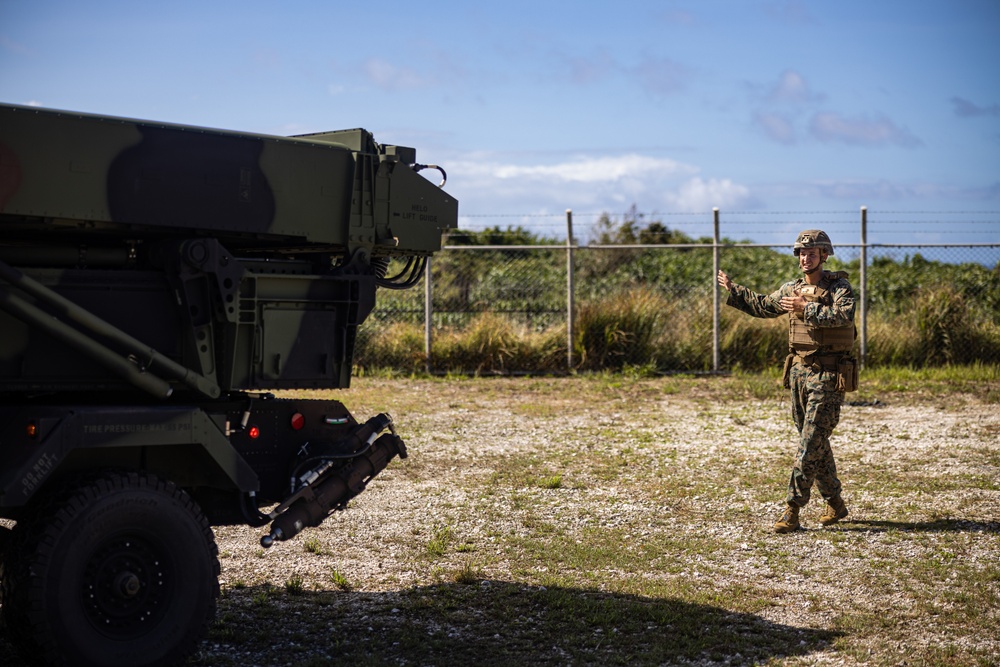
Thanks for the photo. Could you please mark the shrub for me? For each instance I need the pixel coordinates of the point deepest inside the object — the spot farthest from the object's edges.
(398, 345)
(485, 346)
(892, 341)
(620, 330)
(541, 351)
(750, 343)
(941, 320)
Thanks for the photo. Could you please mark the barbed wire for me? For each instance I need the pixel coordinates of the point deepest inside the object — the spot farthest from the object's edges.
(923, 226)
(940, 212)
(590, 227)
(562, 214)
(822, 222)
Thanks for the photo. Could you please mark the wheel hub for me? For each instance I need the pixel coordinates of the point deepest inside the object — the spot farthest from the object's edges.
(127, 584)
(125, 587)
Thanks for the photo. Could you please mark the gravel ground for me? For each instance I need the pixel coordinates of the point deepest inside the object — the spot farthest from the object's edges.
(462, 434)
(462, 431)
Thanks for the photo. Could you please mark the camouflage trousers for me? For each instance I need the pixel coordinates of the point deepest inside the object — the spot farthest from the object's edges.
(816, 411)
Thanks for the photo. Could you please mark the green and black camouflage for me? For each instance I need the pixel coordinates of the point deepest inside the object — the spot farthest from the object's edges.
(157, 281)
(272, 247)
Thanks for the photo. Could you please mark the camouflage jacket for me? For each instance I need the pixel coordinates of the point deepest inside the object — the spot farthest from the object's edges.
(836, 311)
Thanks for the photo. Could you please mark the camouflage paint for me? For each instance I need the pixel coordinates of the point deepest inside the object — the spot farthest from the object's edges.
(248, 259)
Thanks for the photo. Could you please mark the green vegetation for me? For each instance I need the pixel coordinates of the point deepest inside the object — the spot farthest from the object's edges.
(503, 311)
(313, 546)
(295, 585)
(338, 579)
(440, 540)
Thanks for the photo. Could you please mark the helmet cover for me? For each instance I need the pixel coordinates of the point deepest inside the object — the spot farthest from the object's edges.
(813, 238)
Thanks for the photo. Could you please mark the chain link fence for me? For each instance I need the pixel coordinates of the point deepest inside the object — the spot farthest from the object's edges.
(556, 308)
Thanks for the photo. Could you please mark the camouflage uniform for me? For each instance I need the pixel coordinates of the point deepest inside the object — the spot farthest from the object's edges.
(816, 400)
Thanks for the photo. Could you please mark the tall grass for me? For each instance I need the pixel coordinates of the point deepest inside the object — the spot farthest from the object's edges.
(644, 328)
(398, 345)
(752, 344)
(490, 344)
(617, 331)
(496, 344)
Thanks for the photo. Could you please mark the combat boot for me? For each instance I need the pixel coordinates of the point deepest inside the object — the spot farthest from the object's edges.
(789, 521)
(834, 512)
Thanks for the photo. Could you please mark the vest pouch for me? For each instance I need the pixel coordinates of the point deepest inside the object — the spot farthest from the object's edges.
(847, 374)
(786, 372)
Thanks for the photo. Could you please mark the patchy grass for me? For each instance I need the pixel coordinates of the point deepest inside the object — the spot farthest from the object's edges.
(626, 520)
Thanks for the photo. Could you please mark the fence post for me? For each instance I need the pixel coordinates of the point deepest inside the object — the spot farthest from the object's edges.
(428, 315)
(864, 286)
(569, 289)
(715, 291)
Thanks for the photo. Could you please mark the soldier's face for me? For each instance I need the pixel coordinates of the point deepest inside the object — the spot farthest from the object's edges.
(810, 259)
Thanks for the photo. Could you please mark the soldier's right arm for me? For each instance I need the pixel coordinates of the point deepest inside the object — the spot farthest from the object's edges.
(753, 303)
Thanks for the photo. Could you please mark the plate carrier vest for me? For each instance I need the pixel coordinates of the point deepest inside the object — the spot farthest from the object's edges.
(805, 339)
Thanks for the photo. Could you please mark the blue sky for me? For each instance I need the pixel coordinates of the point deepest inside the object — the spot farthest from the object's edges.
(779, 112)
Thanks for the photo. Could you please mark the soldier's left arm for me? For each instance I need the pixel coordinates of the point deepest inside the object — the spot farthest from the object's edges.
(837, 311)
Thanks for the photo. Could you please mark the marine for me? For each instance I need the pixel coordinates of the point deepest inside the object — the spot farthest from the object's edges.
(819, 368)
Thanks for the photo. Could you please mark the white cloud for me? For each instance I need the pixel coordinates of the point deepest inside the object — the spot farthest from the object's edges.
(792, 88)
(591, 184)
(775, 126)
(595, 170)
(860, 131)
(697, 194)
(783, 102)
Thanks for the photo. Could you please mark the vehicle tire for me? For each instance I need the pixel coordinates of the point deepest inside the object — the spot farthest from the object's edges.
(121, 570)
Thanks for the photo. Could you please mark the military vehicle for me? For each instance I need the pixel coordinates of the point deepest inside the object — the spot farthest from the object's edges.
(159, 284)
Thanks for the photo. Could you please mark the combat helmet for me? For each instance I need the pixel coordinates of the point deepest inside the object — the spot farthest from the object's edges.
(813, 238)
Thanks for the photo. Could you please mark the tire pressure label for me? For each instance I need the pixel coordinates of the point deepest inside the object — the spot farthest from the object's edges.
(169, 427)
